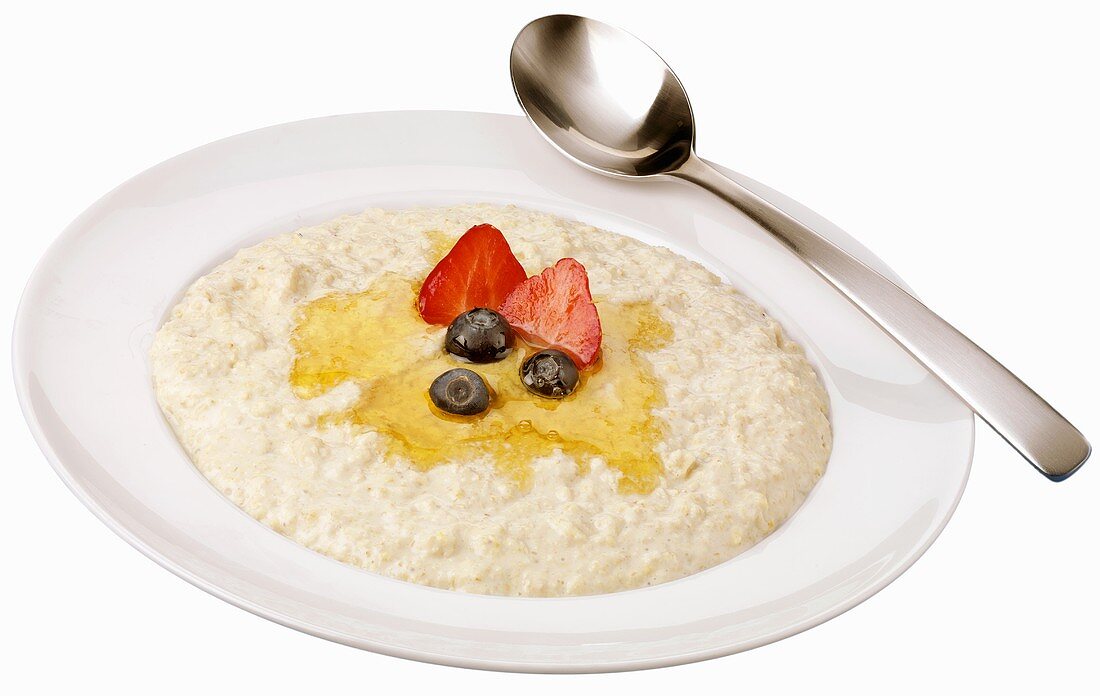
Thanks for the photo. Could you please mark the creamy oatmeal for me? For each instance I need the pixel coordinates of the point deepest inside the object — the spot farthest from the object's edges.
(702, 428)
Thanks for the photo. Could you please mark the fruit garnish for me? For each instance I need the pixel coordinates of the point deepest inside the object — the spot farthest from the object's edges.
(479, 271)
(480, 335)
(554, 309)
(550, 373)
(460, 391)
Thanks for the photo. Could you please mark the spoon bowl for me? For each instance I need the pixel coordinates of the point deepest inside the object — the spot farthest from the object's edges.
(602, 97)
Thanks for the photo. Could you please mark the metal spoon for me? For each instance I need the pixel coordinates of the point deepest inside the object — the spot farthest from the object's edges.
(609, 103)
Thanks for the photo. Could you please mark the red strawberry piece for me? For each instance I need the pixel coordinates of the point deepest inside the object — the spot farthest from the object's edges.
(479, 271)
(554, 310)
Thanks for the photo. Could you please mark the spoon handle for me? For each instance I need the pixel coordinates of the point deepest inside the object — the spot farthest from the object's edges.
(1018, 414)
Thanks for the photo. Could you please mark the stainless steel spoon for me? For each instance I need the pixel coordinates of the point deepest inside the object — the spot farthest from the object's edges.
(609, 103)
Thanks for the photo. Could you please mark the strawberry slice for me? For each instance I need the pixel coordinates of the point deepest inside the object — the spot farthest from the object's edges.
(479, 271)
(554, 310)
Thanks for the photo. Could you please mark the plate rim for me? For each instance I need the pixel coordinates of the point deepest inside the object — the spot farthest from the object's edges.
(20, 371)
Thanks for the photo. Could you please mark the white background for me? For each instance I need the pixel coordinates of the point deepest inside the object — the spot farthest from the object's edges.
(958, 140)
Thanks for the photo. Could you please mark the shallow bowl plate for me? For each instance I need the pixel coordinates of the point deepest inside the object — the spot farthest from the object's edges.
(902, 442)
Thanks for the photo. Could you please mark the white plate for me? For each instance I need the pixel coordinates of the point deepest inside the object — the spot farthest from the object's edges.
(902, 442)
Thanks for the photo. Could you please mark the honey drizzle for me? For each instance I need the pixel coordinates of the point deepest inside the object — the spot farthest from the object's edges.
(376, 339)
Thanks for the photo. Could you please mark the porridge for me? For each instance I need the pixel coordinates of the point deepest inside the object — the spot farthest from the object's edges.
(651, 429)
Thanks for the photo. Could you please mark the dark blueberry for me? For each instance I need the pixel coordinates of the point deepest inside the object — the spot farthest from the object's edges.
(550, 373)
(479, 335)
(460, 391)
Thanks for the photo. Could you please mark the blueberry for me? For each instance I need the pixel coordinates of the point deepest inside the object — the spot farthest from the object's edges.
(550, 373)
(460, 391)
(479, 335)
